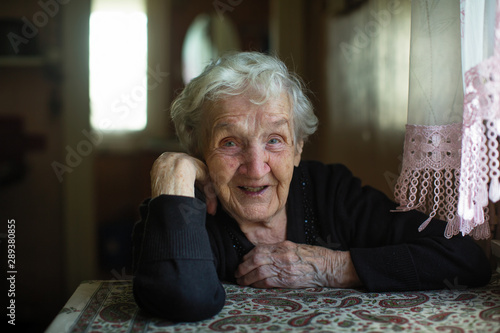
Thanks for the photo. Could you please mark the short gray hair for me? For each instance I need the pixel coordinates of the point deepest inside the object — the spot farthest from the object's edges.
(233, 74)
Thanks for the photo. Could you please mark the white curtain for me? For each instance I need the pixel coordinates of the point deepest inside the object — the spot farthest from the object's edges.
(443, 161)
(479, 181)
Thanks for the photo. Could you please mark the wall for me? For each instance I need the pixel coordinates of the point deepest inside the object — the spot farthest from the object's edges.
(367, 81)
(29, 91)
(45, 86)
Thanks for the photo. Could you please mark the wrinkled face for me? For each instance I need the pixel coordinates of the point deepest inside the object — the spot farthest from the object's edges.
(250, 155)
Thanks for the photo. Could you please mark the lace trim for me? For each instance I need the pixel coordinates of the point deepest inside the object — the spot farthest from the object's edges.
(430, 174)
(479, 181)
(480, 172)
(477, 175)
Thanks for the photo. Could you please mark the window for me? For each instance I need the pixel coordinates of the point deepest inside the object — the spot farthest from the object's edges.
(118, 65)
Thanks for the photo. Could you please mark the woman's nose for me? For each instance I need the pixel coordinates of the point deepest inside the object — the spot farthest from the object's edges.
(255, 163)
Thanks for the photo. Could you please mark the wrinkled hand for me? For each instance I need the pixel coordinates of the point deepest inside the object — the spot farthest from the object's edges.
(290, 265)
(177, 174)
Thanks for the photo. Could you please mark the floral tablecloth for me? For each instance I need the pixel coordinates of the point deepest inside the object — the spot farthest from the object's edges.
(108, 306)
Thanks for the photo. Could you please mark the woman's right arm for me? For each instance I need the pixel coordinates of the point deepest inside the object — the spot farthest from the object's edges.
(175, 275)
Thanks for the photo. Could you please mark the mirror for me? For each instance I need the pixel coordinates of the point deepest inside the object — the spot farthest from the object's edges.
(208, 37)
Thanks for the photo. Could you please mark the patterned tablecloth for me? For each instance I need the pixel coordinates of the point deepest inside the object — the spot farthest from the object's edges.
(108, 306)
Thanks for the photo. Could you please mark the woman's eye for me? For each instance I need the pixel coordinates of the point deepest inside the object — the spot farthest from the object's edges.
(273, 141)
(229, 144)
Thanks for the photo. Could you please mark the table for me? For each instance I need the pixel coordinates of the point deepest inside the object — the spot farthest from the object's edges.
(108, 306)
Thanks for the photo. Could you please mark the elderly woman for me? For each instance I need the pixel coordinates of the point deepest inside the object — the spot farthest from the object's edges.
(241, 207)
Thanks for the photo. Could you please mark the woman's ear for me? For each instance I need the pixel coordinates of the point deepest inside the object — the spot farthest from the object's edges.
(298, 153)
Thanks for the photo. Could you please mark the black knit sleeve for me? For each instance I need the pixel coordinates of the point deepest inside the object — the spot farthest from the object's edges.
(388, 251)
(175, 275)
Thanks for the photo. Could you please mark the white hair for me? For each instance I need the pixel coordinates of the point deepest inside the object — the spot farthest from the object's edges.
(234, 74)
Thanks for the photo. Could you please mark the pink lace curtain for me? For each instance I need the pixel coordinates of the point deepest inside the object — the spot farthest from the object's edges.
(450, 164)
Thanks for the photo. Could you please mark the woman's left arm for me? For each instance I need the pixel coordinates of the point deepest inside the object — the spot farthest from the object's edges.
(387, 249)
(291, 265)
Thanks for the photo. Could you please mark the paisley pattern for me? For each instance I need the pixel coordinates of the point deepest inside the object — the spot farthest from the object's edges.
(465, 297)
(289, 306)
(409, 300)
(449, 329)
(302, 320)
(349, 301)
(225, 324)
(118, 313)
(108, 306)
(439, 316)
(366, 315)
(492, 314)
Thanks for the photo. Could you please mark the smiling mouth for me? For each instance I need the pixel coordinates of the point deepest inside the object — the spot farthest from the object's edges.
(252, 189)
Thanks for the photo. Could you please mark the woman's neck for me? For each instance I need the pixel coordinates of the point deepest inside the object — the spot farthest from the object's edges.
(267, 232)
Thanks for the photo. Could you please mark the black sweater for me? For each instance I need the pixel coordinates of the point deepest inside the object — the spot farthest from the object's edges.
(181, 253)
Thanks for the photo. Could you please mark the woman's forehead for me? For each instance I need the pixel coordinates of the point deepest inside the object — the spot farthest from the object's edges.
(234, 108)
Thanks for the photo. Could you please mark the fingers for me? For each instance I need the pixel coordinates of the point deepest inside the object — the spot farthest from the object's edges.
(273, 276)
(267, 254)
(290, 265)
(205, 183)
(173, 173)
(210, 198)
(277, 265)
(177, 173)
(266, 276)
(259, 256)
(256, 267)
(210, 195)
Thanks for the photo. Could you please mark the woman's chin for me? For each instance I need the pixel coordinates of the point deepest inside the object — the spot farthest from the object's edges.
(254, 214)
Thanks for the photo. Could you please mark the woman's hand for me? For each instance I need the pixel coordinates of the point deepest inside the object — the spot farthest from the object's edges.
(290, 265)
(177, 173)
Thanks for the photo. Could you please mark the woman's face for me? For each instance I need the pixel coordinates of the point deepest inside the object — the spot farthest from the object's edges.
(250, 154)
